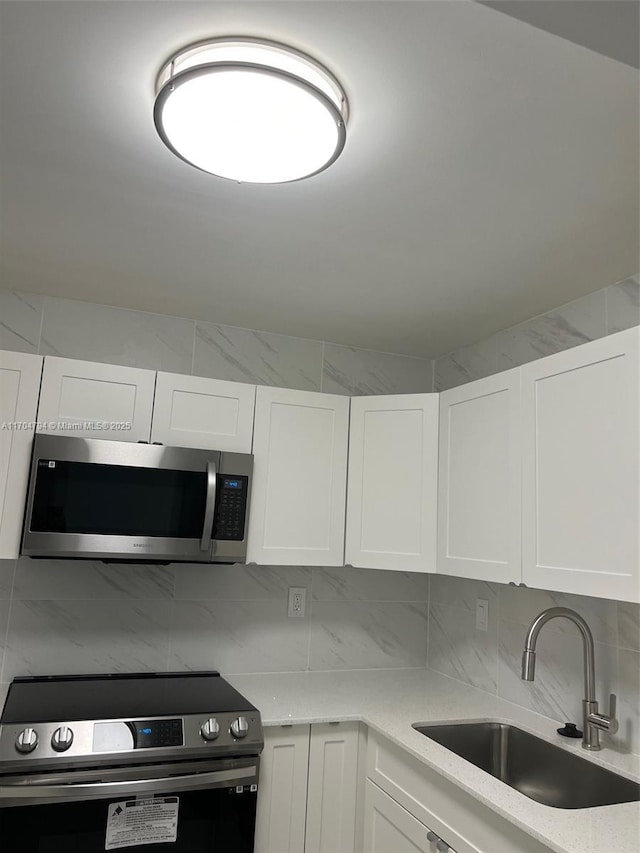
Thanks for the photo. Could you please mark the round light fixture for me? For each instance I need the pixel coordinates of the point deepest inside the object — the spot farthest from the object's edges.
(250, 110)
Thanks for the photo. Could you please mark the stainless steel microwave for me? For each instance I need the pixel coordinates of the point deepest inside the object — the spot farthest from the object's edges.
(115, 500)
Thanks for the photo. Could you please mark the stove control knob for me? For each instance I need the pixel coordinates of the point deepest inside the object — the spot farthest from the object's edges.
(210, 729)
(240, 727)
(62, 739)
(27, 740)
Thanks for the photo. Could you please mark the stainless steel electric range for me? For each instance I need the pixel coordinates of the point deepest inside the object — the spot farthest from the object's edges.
(92, 763)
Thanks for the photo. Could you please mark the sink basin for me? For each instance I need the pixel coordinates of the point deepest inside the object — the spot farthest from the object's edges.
(533, 766)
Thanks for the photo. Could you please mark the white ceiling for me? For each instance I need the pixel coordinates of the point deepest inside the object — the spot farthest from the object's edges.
(490, 172)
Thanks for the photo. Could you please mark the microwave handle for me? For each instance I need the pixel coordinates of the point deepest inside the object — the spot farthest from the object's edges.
(210, 505)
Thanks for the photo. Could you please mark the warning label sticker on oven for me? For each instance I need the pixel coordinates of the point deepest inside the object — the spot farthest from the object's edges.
(149, 821)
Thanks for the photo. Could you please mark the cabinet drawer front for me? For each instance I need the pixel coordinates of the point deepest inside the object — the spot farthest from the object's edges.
(466, 824)
(191, 411)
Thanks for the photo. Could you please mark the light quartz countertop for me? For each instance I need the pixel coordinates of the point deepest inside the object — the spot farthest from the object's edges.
(389, 701)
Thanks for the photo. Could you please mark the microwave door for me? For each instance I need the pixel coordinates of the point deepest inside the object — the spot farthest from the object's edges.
(135, 502)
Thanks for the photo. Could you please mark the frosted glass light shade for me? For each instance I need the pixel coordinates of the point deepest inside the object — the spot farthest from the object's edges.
(250, 111)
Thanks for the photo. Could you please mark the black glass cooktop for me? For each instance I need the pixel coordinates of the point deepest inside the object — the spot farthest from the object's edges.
(58, 698)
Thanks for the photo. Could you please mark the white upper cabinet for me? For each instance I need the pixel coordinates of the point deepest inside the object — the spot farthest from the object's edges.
(91, 400)
(191, 411)
(299, 478)
(581, 474)
(19, 388)
(479, 491)
(393, 477)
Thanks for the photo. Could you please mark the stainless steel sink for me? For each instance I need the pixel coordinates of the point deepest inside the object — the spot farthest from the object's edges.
(533, 766)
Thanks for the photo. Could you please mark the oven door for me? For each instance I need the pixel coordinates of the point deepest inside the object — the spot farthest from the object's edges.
(190, 807)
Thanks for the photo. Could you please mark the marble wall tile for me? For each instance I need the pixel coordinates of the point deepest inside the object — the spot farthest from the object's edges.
(91, 332)
(458, 649)
(558, 689)
(84, 579)
(237, 636)
(47, 637)
(576, 323)
(347, 370)
(465, 365)
(20, 319)
(629, 625)
(522, 605)
(364, 635)
(7, 570)
(242, 355)
(623, 305)
(628, 694)
(462, 592)
(239, 582)
(348, 584)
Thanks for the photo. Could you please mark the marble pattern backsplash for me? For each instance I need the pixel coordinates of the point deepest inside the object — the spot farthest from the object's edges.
(596, 315)
(84, 330)
(78, 616)
(490, 660)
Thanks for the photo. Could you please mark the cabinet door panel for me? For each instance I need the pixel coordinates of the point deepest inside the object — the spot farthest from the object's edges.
(479, 491)
(393, 475)
(89, 400)
(333, 784)
(581, 472)
(299, 480)
(282, 790)
(191, 411)
(389, 828)
(19, 388)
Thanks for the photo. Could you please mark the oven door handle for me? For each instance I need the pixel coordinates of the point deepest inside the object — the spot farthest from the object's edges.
(210, 505)
(21, 794)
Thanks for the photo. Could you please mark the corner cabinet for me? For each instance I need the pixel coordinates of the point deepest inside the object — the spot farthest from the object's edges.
(192, 411)
(479, 492)
(393, 477)
(91, 400)
(581, 469)
(299, 478)
(19, 388)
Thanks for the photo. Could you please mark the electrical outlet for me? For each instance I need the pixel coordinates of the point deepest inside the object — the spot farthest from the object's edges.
(297, 601)
(482, 614)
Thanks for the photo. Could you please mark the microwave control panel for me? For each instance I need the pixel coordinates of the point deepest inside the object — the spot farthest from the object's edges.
(231, 507)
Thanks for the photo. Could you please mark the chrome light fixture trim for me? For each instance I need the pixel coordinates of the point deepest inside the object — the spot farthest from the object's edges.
(289, 70)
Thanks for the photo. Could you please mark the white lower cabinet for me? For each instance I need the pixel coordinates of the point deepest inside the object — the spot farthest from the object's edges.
(308, 792)
(333, 788)
(282, 792)
(19, 387)
(420, 801)
(391, 829)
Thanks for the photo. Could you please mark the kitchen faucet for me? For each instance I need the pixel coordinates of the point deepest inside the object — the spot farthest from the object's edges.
(592, 721)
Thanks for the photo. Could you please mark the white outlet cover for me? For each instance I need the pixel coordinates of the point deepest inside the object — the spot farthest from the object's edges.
(482, 614)
(297, 601)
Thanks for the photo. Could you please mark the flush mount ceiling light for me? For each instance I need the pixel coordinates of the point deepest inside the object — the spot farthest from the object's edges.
(250, 110)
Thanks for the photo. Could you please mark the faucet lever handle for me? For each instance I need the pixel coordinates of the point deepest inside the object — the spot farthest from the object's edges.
(605, 722)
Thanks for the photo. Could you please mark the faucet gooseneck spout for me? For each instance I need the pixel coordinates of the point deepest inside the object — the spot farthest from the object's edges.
(593, 721)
